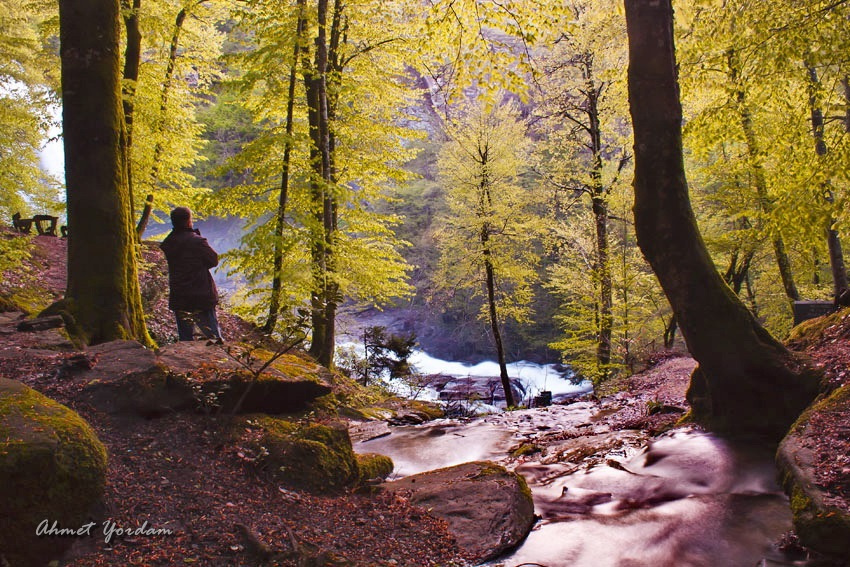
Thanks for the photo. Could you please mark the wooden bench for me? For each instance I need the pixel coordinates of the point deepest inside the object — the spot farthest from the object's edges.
(21, 225)
(44, 224)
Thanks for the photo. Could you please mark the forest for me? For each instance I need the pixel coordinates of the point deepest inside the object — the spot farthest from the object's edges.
(599, 183)
(459, 145)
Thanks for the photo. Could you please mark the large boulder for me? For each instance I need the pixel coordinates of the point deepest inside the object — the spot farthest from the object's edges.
(488, 508)
(317, 458)
(821, 516)
(52, 469)
(125, 377)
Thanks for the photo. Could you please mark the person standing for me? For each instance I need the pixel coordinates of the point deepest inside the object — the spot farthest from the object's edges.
(192, 294)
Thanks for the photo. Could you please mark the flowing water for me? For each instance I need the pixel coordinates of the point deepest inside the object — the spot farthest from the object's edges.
(616, 498)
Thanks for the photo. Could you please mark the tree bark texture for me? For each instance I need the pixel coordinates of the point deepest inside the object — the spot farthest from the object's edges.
(324, 298)
(746, 381)
(103, 285)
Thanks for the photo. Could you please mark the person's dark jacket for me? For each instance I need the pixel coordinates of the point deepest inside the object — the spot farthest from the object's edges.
(190, 257)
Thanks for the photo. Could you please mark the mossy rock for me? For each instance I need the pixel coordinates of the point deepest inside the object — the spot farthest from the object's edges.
(316, 458)
(430, 409)
(52, 467)
(818, 522)
(373, 466)
(809, 332)
(524, 449)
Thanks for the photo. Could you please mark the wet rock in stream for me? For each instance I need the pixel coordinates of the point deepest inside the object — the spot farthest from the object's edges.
(488, 508)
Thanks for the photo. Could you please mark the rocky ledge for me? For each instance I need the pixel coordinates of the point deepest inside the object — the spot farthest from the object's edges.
(125, 377)
(818, 502)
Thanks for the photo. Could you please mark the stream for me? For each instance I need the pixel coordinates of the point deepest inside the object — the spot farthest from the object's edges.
(615, 498)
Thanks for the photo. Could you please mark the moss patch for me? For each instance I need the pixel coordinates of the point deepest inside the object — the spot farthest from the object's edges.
(374, 466)
(429, 409)
(52, 466)
(819, 520)
(525, 449)
(821, 527)
(837, 398)
(809, 332)
(316, 458)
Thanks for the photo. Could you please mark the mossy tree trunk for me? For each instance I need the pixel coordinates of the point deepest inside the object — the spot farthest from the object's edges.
(103, 286)
(746, 381)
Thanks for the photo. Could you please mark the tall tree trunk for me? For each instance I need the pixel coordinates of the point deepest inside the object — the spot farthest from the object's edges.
(103, 286)
(280, 221)
(494, 323)
(606, 318)
(833, 240)
(166, 88)
(485, 204)
(323, 300)
(132, 59)
(331, 208)
(741, 366)
(754, 152)
(599, 206)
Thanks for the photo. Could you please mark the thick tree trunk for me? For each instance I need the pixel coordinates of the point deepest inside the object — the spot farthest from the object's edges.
(746, 381)
(280, 221)
(103, 285)
(754, 153)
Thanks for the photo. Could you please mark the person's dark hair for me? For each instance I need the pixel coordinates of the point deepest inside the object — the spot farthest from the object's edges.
(180, 217)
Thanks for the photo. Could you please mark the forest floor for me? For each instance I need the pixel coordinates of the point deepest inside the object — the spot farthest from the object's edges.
(176, 473)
